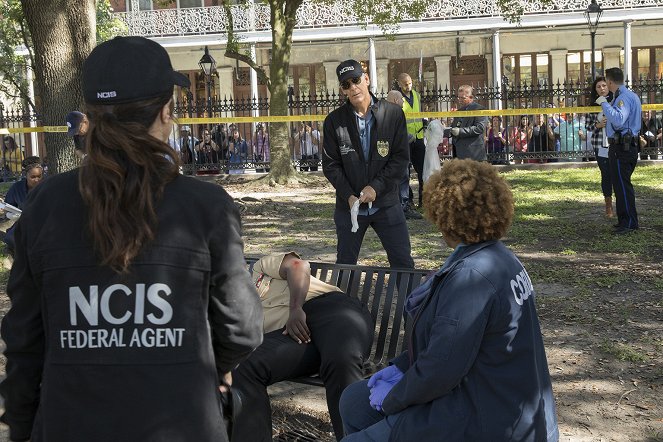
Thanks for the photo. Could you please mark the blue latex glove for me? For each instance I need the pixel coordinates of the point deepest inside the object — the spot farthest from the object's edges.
(381, 384)
(390, 374)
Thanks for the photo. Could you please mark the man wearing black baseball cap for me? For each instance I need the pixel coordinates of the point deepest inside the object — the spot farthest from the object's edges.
(77, 125)
(130, 325)
(365, 151)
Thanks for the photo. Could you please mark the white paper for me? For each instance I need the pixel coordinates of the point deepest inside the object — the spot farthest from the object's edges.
(603, 152)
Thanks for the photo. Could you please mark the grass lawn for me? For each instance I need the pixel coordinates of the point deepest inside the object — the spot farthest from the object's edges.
(599, 295)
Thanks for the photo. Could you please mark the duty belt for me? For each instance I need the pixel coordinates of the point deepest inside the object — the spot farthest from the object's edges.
(634, 141)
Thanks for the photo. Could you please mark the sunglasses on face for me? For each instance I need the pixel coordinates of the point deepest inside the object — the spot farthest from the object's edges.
(348, 83)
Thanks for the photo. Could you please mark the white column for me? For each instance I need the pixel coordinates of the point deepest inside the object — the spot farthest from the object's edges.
(558, 68)
(34, 149)
(497, 67)
(442, 72)
(226, 82)
(252, 53)
(382, 80)
(254, 82)
(372, 70)
(611, 57)
(628, 62)
(442, 76)
(331, 79)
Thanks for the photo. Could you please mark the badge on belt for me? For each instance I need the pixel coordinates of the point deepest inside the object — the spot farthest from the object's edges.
(383, 148)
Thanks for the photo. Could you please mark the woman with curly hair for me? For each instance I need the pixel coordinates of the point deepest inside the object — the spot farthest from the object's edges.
(475, 368)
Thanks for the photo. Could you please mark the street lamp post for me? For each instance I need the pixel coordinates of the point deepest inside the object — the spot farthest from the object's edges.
(593, 15)
(208, 66)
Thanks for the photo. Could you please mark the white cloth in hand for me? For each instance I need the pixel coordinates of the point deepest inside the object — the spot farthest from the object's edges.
(601, 100)
(432, 138)
(370, 203)
(353, 216)
(455, 131)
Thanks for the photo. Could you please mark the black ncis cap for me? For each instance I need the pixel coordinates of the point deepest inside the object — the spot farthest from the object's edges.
(348, 69)
(127, 69)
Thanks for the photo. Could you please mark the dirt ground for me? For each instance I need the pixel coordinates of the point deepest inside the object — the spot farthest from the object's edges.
(604, 345)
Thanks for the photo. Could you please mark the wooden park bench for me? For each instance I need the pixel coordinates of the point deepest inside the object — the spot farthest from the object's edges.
(383, 291)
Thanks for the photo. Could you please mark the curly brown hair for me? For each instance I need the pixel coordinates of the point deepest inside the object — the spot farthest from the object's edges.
(469, 201)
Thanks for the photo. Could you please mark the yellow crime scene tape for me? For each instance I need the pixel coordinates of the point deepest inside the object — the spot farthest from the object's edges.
(310, 117)
(26, 130)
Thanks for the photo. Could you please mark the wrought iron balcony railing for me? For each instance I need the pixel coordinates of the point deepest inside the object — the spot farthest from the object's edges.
(311, 15)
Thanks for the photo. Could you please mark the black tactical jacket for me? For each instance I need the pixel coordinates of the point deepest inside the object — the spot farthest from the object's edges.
(343, 161)
(93, 355)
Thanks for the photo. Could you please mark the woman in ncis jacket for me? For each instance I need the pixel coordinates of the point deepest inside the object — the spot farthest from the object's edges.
(130, 297)
(475, 368)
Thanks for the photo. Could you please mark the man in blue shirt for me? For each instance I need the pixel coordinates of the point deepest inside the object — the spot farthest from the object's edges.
(624, 121)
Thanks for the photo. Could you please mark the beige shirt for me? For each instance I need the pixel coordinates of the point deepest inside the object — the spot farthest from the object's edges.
(274, 292)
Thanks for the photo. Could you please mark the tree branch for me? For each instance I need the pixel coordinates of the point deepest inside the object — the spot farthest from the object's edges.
(26, 41)
(232, 48)
(23, 93)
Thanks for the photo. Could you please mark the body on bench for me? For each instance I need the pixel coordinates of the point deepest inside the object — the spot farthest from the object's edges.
(383, 290)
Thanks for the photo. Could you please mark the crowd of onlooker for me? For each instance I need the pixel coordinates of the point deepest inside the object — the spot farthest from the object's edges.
(507, 139)
(238, 144)
(565, 132)
(221, 143)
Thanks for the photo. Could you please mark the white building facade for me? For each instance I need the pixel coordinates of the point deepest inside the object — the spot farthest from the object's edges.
(456, 42)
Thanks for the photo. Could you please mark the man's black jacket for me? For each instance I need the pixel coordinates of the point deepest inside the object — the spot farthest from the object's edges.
(343, 161)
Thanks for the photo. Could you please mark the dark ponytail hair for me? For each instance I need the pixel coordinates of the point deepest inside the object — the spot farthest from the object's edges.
(593, 95)
(123, 177)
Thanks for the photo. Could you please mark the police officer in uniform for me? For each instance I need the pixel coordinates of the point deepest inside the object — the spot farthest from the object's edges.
(77, 126)
(624, 121)
(365, 152)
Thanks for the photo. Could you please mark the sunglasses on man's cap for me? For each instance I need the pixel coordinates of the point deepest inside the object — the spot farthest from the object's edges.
(348, 83)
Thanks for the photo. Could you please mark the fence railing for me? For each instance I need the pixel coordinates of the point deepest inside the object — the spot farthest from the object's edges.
(224, 151)
(572, 141)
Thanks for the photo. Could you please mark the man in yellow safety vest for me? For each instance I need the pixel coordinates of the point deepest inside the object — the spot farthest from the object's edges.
(415, 128)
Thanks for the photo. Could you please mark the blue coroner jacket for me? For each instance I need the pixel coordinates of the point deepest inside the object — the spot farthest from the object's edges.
(476, 368)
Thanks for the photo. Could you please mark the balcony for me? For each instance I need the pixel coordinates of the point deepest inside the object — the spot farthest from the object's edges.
(311, 16)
